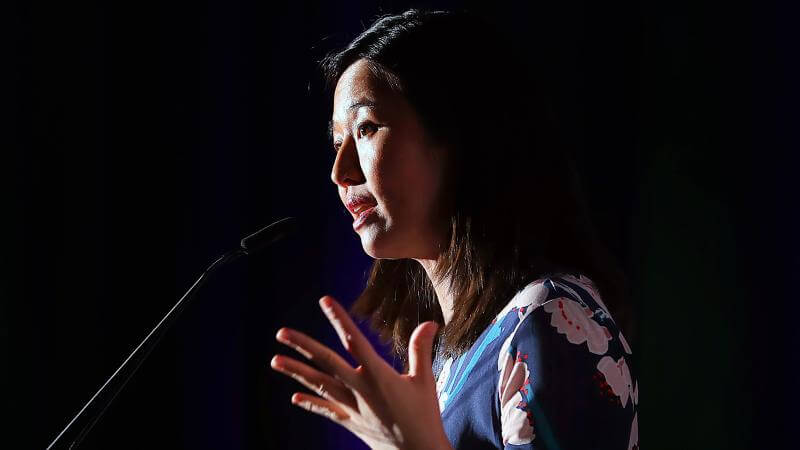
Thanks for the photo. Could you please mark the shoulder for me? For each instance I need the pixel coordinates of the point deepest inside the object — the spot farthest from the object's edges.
(564, 363)
(571, 306)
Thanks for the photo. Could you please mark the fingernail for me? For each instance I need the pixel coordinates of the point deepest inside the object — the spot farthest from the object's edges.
(328, 310)
(325, 302)
(282, 335)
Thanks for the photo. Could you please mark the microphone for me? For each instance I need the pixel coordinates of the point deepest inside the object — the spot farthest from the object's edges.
(268, 235)
(91, 412)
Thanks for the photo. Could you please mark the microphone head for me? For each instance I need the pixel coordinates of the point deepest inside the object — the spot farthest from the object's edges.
(268, 235)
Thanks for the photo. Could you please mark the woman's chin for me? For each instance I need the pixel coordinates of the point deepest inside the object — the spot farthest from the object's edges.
(370, 244)
(376, 245)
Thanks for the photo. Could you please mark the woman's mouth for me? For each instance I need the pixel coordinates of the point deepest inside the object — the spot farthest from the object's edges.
(363, 216)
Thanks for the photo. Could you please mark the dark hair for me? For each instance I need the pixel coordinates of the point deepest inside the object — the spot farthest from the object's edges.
(514, 209)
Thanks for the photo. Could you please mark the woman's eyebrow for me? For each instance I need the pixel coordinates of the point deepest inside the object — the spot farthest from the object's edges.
(366, 103)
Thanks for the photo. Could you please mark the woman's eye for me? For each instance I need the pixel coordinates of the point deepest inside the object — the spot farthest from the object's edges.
(366, 125)
(361, 128)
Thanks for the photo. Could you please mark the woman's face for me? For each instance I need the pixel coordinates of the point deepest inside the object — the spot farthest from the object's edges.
(385, 160)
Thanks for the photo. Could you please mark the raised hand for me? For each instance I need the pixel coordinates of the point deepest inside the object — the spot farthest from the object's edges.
(385, 409)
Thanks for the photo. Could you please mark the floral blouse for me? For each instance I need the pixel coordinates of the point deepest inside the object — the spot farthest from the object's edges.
(550, 372)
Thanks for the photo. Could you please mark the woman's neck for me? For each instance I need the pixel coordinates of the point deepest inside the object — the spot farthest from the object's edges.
(443, 295)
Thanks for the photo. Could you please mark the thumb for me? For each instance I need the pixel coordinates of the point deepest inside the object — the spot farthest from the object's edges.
(420, 350)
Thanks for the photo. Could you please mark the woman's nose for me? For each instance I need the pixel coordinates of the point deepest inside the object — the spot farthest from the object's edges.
(346, 170)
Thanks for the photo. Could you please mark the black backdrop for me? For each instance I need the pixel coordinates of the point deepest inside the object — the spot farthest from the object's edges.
(146, 139)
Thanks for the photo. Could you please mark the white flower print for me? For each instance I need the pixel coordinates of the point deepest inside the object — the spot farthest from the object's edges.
(516, 418)
(502, 358)
(533, 294)
(575, 321)
(633, 442)
(444, 374)
(618, 376)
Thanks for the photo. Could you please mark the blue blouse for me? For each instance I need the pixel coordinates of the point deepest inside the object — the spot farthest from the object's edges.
(550, 372)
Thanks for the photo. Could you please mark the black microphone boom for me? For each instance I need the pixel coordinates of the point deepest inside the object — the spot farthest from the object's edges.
(268, 235)
(91, 412)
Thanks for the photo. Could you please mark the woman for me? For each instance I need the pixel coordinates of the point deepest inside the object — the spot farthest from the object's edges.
(487, 274)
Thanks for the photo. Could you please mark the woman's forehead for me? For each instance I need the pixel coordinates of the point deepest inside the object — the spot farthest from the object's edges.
(358, 83)
(357, 71)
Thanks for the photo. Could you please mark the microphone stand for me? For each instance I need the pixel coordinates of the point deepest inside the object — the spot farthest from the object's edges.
(91, 412)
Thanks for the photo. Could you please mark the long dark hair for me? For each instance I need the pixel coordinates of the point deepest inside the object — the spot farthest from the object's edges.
(514, 211)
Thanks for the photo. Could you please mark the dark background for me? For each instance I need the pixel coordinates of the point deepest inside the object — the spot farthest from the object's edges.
(147, 138)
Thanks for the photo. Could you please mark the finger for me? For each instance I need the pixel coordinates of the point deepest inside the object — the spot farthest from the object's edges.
(323, 384)
(319, 406)
(327, 359)
(352, 339)
(420, 351)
